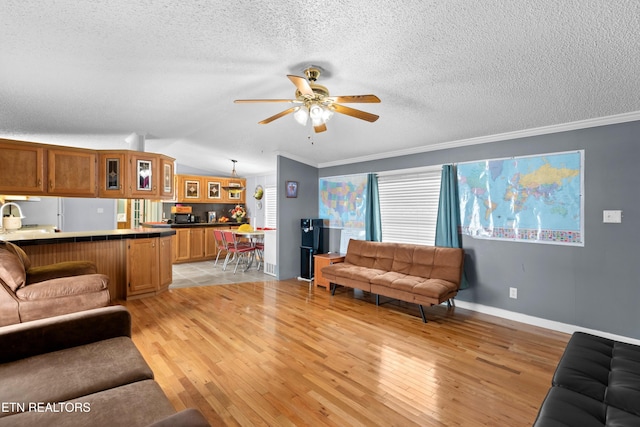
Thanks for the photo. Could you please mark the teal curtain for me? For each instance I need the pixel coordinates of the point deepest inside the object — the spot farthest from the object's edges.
(448, 222)
(372, 221)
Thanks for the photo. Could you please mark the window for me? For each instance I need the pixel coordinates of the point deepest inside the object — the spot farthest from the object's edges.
(270, 206)
(409, 205)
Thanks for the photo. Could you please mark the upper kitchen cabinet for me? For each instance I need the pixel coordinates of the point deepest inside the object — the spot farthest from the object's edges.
(22, 170)
(190, 189)
(135, 174)
(234, 196)
(114, 174)
(146, 179)
(209, 189)
(167, 185)
(72, 172)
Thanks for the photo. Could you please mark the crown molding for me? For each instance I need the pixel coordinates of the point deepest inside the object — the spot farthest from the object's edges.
(543, 130)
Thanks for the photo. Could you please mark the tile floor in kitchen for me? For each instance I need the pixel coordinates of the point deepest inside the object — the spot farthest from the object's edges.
(205, 273)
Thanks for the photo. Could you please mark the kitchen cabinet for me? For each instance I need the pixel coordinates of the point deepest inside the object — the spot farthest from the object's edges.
(134, 174)
(165, 260)
(196, 244)
(113, 167)
(181, 246)
(145, 175)
(30, 168)
(208, 189)
(189, 189)
(22, 170)
(149, 263)
(192, 244)
(142, 266)
(167, 183)
(72, 172)
(210, 245)
(234, 197)
(212, 189)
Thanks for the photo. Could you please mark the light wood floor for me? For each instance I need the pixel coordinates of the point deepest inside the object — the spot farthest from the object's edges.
(279, 353)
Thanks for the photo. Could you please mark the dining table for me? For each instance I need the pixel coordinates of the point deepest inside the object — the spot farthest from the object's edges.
(253, 237)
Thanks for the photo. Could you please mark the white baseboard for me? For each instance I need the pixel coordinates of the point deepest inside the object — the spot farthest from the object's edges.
(537, 321)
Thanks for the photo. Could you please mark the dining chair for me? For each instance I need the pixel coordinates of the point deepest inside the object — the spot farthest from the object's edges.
(239, 250)
(220, 244)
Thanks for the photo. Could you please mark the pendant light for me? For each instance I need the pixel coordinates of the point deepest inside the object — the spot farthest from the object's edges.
(234, 175)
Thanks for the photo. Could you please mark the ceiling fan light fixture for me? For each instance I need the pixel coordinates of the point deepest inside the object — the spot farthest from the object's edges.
(316, 112)
(301, 115)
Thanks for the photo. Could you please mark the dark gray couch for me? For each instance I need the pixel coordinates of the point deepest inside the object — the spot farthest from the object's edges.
(596, 383)
(81, 369)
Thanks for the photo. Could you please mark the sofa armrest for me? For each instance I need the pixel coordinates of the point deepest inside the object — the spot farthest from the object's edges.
(56, 333)
(188, 418)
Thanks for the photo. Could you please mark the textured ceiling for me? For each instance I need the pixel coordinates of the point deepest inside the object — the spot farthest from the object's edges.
(90, 73)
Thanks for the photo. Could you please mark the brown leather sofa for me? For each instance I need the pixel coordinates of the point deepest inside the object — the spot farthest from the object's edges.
(81, 369)
(423, 275)
(31, 293)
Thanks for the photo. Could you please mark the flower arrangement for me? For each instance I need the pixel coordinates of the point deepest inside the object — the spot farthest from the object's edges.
(238, 213)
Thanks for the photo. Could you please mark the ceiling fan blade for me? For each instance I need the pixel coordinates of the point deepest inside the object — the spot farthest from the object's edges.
(277, 116)
(302, 84)
(363, 115)
(320, 128)
(354, 99)
(245, 101)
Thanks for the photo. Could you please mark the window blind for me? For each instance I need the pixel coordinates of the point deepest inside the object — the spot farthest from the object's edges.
(270, 206)
(409, 206)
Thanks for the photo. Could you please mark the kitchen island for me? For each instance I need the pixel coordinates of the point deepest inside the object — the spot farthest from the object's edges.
(137, 261)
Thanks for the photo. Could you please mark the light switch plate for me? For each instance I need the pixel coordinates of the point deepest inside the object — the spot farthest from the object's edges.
(612, 216)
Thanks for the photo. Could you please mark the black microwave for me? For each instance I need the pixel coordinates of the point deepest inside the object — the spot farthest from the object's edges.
(182, 218)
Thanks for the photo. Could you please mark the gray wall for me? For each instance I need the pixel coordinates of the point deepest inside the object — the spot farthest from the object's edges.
(596, 286)
(291, 210)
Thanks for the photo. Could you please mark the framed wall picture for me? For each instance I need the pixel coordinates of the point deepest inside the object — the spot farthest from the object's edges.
(144, 175)
(291, 188)
(213, 190)
(191, 189)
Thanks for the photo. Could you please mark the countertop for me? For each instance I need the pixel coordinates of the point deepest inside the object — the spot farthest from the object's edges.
(190, 225)
(39, 238)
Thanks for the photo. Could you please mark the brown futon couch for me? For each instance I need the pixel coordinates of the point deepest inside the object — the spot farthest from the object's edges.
(81, 369)
(423, 275)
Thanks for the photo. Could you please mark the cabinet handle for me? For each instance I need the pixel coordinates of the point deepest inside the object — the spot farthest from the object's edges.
(51, 184)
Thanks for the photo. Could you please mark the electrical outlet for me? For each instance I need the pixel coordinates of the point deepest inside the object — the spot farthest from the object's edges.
(513, 293)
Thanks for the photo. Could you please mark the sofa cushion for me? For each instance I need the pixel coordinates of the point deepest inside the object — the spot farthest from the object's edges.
(400, 281)
(585, 365)
(22, 255)
(623, 390)
(355, 272)
(403, 258)
(12, 272)
(73, 372)
(64, 287)
(434, 288)
(563, 407)
(136, 404)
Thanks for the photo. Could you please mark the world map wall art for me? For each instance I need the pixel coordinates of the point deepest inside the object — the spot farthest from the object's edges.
(537, 199)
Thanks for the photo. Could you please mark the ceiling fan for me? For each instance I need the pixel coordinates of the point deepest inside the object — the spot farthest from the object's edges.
(312, 101)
